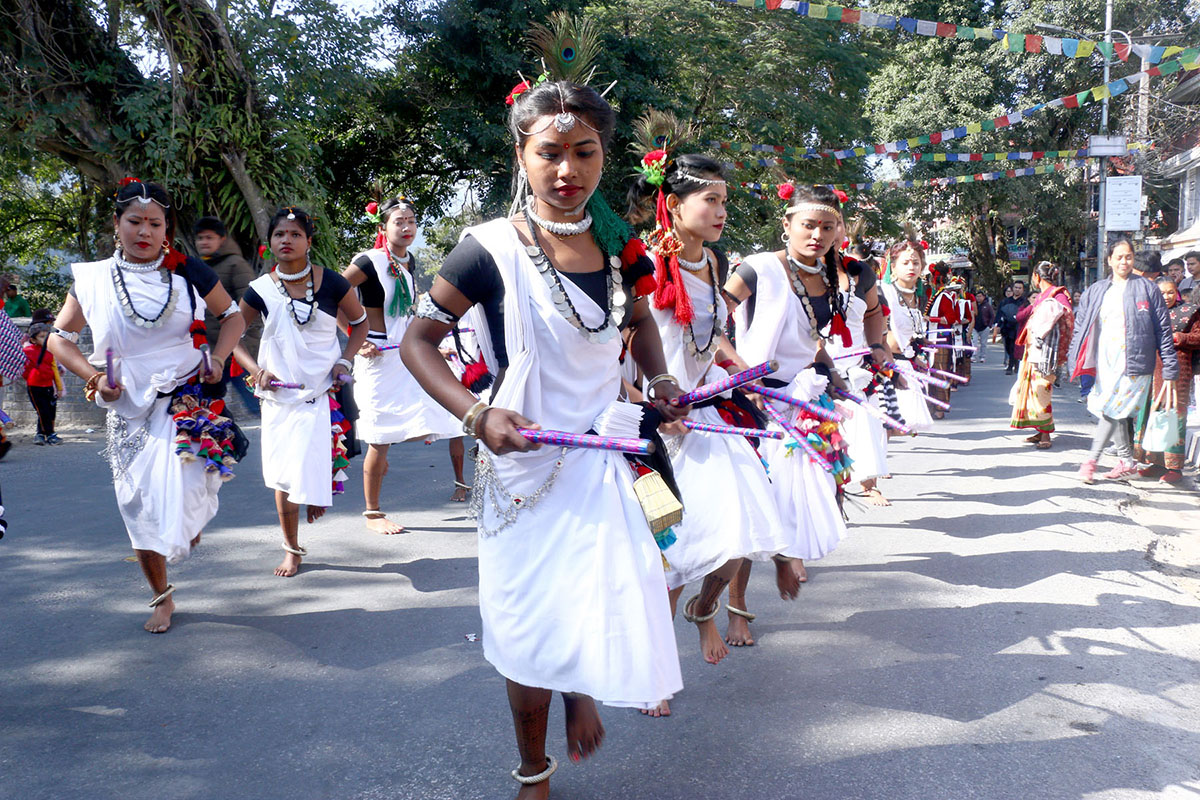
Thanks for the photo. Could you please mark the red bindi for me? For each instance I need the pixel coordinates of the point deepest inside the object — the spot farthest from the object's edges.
(566, 145)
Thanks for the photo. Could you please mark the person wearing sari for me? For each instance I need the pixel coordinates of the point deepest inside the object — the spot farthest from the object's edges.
(1045, 337)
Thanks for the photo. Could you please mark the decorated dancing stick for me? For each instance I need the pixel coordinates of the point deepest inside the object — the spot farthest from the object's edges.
(954, 376)
(939, 403)
(382, 348)
(110, 368)
(620, 444)
(865, 351)
(891, 422)
(725, 384)
(5, 419)
(285, 385)
(912, 372)
(799, 437)
(205, 360)
(814, 409)
(707, 427)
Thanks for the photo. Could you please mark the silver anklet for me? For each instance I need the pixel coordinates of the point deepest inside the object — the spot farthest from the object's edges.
(373, 513)
(462, 485)
(158, 601)
(541, 777)
(697, 619)
(296, 551)
(741, 612)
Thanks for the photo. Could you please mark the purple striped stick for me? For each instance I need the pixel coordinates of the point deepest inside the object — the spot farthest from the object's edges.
(730, 430)
(799, 437)
(954, 376)
(854, 353)
(387, 347)
(586, 440)
(813, 408)
(110, 376)
(205, 360)
(285, 385)
(935, 401)
(872, 410)
(725, 384)
(920, 376)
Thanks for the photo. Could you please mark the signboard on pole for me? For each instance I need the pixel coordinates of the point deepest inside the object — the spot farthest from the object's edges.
(1123, 203)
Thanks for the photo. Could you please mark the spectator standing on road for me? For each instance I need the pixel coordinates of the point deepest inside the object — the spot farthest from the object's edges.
(224, 257)
(1185, 332)
(1010, 327)
(43, 382)
(1045, 337)
(14, 304)
(1191, 276)
(984, 320)
(1121, 325)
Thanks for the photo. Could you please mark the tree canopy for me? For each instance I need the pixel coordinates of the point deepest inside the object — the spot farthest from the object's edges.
(239, 106)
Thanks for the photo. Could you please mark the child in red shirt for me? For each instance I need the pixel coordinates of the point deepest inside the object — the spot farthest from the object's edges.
(43, 382)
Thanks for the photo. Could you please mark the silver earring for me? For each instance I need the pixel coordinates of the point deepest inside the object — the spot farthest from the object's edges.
(784, 236)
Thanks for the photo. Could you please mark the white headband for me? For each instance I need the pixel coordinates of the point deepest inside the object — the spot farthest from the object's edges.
(813, 207)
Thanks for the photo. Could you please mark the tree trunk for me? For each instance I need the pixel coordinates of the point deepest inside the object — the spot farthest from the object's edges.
(236, 162)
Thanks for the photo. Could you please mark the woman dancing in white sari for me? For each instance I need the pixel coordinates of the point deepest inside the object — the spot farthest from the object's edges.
(141, 307)
(571, 585)
(300, 364)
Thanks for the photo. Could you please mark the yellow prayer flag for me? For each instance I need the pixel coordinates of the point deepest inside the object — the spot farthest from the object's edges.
(939, 156)
(1172, 50)
(974, 127)
(1086, 46)
(1100, 92)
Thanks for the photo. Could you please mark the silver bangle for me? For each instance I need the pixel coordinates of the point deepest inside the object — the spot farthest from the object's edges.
(70, 336)
(470, 420)
(359, 320)
(348, 365)
(229, 312)
(427, 310)
(657, 379)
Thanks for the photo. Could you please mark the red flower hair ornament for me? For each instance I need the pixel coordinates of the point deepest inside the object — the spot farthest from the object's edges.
(518, 90)
(841, 196)
(785, 191)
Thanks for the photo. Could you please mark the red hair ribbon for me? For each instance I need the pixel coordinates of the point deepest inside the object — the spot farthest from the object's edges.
(837, 327)
(669, 291)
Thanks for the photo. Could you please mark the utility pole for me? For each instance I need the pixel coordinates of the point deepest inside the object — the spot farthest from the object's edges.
(1101, 232)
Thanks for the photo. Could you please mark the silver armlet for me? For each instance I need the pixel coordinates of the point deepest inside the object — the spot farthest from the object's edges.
(73, 338)
(428, 310)
(359, 320)
(229, 312)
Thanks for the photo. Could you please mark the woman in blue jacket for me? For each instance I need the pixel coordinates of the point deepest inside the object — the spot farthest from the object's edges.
(1122, 325)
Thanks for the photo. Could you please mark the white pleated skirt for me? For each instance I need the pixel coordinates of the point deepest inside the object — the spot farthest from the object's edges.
(164, 501)
(392, 406)
(729, 508)
(914, 409)
(805, 497)
(297, 450)
(572, 594)
(866, 439)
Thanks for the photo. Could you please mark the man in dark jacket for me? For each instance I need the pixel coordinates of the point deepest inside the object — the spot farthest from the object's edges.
(1009, 327)
(223, 255)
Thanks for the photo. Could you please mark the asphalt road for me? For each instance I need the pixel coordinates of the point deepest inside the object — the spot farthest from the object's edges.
(996, 633)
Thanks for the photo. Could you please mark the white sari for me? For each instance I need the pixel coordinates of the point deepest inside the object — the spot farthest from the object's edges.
(729, 508)
(164, 501)
(571, 592)
(907, 324)
(805, 494)
(297, 431)
(392, 406)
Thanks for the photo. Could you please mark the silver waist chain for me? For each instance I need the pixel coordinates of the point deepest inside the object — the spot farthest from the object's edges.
(505, 504)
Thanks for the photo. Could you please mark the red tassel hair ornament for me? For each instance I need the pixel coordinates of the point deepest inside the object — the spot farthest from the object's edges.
(669, 291)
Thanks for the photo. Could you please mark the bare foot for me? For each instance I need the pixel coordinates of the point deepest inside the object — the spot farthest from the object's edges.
(459, 496)
(196, 542)
(663, 709)
(584, 729)
(786, 579)
(712, 646)
(160, 620)
(315, 513)
(289, 566)
(874, 497)
(737, 632)
(801, 572)
(382, 524)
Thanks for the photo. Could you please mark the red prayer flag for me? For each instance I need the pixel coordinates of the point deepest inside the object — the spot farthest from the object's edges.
(851, 15)
(1122, 50)
(976, 157)
(1033, 43)
(1039, 153)
(1071, 101)
(935, 138)
(947, 29)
